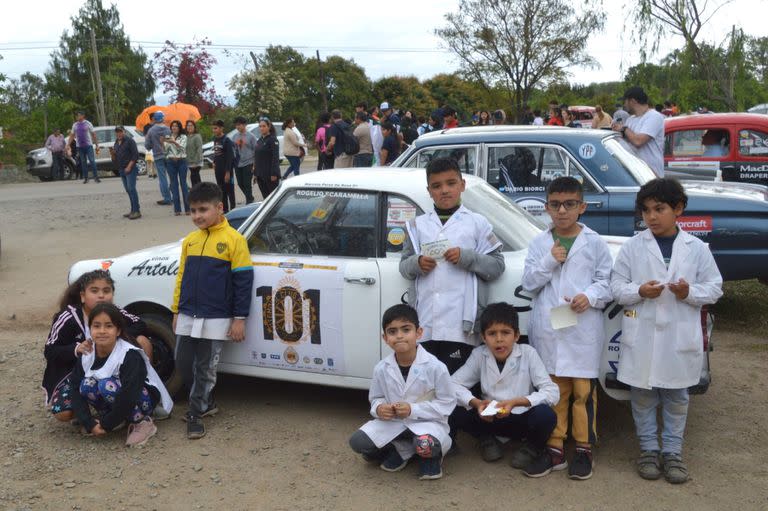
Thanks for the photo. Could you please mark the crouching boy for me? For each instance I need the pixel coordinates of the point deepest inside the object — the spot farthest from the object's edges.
(411, 398)
(514, 376)
(662, 277)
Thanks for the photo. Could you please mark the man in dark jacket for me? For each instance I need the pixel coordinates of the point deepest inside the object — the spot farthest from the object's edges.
(125, 155)
(223, 164)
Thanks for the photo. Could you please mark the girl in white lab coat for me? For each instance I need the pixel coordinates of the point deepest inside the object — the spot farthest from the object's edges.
(411, 398)
(568, 269)
(662, 276)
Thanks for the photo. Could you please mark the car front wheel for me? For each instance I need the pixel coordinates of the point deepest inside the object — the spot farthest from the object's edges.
(163, 351)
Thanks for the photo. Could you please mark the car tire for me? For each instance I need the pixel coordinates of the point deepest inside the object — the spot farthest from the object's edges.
(69, 171)
(141, 166)
(163, 351)
(45, 179)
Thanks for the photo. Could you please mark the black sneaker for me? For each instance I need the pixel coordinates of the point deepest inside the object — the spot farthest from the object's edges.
(581, 466)
(98, 180)
(393, 462)
(541, 465)
(85, 180)
(490, 449)
(195, 426)
(210, 412)
(430, 468)
(164, 202)
(558, 458)
(523, 456)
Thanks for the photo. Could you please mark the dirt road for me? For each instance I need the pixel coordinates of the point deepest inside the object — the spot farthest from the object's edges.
(284, 446)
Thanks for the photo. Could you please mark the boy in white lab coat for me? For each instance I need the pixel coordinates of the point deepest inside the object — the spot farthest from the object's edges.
(515, 378)
(568, 269)
(662, 277)
(450, 254)
(411, 397)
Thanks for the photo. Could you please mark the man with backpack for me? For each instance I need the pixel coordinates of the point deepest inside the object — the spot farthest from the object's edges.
(341, 143)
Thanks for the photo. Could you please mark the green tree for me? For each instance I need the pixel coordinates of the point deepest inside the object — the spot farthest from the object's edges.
(259, 92)
(462, 95)
(404, 92)
(520, 44)
(127, 83)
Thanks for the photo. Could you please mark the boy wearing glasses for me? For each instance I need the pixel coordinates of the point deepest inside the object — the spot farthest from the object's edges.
(568, 269)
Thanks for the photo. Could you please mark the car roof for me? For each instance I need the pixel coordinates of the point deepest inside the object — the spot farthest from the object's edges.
(410, 182)
(703, 121)
(496, 134)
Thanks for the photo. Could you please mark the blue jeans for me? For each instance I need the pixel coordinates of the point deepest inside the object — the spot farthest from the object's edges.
(129, 183)
(294, 162)
(87, 155)
(177, 172)
(162, 178)
(674, 411)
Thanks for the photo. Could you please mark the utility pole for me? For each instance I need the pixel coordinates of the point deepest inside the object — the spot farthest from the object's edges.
(323, 94)
(100, 113)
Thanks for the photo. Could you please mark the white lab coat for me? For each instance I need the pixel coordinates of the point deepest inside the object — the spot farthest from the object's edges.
(428, 390)
(661, 340)
(574, 351)
(524, 375)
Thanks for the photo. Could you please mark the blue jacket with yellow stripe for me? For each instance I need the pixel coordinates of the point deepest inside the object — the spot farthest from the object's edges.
(215, 274)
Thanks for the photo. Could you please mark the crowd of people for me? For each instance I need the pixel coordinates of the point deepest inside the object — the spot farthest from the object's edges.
(99, 370)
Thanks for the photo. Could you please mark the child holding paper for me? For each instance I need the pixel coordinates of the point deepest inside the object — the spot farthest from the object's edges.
(411, 396)
(662, 277)
(568, 269)
(450, 254)
(517, 392)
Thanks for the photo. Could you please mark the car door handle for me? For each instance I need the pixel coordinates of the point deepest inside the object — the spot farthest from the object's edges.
(368, 281)
(596, 203)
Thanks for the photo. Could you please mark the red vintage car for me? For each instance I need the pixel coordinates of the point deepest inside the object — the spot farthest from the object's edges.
(727, 147)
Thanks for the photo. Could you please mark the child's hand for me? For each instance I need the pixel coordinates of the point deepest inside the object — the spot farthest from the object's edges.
(651, 289)
(84, 347)
(579, 303)
(385, 411)
(680, 289)
(427, 264)
(97, 430)
(452, 255)
(402, 410)
(237, 330)
(559, 252)
(507, 405)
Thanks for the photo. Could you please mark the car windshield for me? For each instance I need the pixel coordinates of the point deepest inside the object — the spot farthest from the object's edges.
(511, 224)
(639, 170)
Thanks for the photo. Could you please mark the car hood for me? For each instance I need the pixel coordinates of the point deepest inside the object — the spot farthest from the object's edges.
(742, 191)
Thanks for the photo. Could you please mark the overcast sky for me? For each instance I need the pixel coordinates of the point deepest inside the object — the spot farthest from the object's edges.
(404, 38)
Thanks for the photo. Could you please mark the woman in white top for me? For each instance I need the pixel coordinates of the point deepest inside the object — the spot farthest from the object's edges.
(176, 165)
(294, 147)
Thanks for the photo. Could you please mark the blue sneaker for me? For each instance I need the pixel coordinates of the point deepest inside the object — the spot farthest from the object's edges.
(430, 468)
(393, 462)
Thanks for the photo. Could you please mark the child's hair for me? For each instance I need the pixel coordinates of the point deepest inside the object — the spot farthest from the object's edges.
(440, 165)
(565, 184)
(500, 312)
(665, 190)
(386, 125)
(71, 295)
(111, 310)
(402, 312)
(205, 192)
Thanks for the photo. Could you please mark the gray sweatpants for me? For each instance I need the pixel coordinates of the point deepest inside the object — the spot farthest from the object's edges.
(197, 359)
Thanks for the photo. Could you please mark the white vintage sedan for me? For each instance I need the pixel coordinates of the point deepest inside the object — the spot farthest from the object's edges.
(326, 248)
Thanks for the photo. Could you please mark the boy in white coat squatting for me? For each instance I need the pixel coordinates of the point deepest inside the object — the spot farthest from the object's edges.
(411, 397)
(568, 268)
(514, 380)
(662, 276)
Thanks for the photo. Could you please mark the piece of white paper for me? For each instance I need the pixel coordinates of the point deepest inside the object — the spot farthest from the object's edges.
(435, 249)
(563, 317)
(491, 409)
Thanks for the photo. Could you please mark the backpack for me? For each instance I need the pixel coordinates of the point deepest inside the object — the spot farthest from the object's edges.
(351, 145)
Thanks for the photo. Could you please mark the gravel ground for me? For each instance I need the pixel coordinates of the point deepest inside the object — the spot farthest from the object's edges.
(283, 446)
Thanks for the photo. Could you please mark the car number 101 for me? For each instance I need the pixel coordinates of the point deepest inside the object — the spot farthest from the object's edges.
(286, 308)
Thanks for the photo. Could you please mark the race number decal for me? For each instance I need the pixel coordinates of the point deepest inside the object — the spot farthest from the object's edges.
(296, 316)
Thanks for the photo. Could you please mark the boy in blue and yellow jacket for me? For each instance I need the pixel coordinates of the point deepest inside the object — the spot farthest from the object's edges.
(211, 300)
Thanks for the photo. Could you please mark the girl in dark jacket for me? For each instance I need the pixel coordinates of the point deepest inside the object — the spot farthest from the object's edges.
(70, 337)
(266, 159)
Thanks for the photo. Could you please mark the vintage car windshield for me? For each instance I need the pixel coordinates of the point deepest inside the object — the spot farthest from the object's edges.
(511, 224)
(639, 170)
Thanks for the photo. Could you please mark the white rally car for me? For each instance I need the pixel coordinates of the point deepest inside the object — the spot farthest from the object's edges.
(326, 249)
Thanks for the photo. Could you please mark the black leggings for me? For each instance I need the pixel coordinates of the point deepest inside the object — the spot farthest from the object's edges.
(194, 175)
(228, 188)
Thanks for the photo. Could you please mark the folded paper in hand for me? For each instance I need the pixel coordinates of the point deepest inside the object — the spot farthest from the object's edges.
(563, 317)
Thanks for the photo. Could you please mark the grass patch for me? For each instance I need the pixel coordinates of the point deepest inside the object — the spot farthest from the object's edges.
(743, 308)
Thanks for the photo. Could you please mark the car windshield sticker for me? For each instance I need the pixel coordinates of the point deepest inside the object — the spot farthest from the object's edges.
(696, 225)
(399, 214)
(396, 236)
(533, 205)
(587, 151)
(331, 193)
(295, 320)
